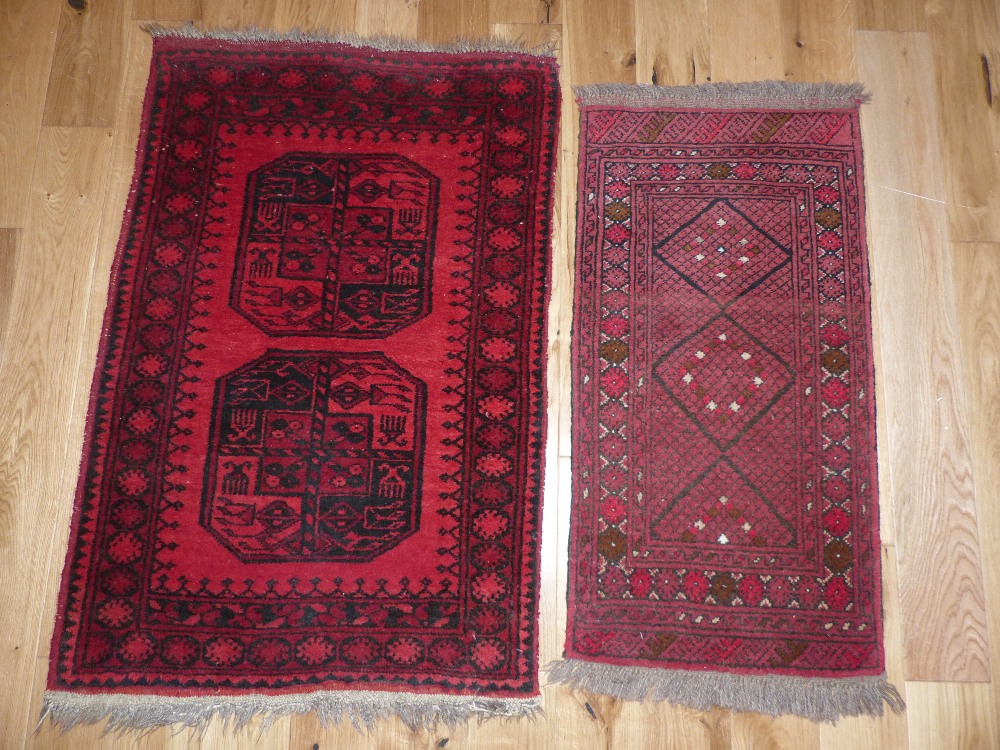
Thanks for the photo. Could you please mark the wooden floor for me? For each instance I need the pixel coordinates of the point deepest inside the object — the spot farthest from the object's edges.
(71, 82)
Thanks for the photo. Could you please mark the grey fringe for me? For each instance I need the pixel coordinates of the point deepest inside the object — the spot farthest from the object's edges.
(253, 35)
(817, 698)
(766, 94)
(142, 713)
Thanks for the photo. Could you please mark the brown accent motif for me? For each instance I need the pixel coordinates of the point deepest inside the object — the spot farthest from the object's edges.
(829, 218)
(656, 645)
(615, 351)
(653, 129)
(617, 212)
(723, 588)
(612, 545)
(834, 361)
(771, 125)
(720, 171)
(838, 556)
(787, 654)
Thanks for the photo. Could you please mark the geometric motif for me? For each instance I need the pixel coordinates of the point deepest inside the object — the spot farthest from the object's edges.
(723, 377)
(315, 457)
(719, 375)
(721, 251)
(336, 244)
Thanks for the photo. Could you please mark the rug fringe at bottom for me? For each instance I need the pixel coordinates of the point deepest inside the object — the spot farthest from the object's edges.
(139, 713)
(817, 698)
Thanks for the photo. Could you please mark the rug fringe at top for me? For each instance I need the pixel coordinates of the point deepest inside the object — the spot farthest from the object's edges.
(253, 35)
(138, 713)
(816, 698)
(766, 94)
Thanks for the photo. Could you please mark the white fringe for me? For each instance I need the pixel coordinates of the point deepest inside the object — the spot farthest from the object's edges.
(142, 713)
(817, 698)
(253, 35)
(763, 94)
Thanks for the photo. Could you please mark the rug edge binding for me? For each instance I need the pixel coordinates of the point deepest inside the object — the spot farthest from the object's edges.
(127, 713)
(252, 34)
(765, 94)
(816, 698)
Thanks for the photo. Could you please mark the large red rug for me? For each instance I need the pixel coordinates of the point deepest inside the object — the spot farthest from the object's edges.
(725, 526)
(312, 470)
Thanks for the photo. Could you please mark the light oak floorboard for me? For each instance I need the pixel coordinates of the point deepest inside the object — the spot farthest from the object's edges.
(559, 423)
(952, 715)
(386, 18)
(442, 21)
(897, 15)
(238, 14)
(521, 11)
(977, 280)
(672, 49)
(87, 64)
(965, 40)
(745, 40)
(931, 492)
(818, 41)
(601, 41)
(756, 732)
(41, 424)
(9, 242)
(166, 10)
(316, 15)
(25, 59)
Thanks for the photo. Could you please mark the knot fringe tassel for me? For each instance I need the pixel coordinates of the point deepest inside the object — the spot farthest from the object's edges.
(817, 698)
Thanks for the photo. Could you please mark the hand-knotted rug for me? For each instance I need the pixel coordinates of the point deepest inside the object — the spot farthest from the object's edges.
(725, 524)
(312, 471)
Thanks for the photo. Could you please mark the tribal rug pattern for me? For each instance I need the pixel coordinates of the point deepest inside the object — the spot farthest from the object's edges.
(312, 469)
(725, 499)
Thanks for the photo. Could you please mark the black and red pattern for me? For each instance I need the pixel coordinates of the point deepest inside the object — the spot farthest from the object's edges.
(725, 498)
(337, 244)
(313, 453)
(315, 456)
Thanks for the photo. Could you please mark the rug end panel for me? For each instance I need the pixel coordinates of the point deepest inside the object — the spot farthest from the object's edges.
(127, 714)
(816, 698)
